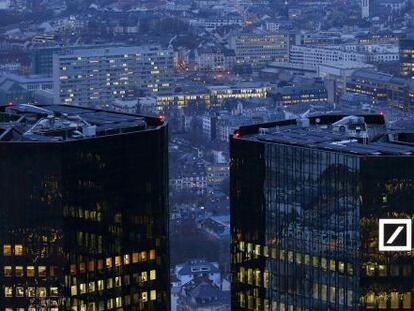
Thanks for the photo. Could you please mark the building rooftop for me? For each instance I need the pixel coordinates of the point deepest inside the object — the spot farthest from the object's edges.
(346, 65)
(60, 123)
(364, 134)
(111, 50)
(378, 77)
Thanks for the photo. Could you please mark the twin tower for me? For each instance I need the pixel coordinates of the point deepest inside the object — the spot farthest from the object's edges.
(321, 209)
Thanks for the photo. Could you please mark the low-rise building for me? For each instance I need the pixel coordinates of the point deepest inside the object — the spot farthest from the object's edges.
(341, 72)
(196, 268)
(201, 294)
(257, 49)
(217, 174)
(216, 226)
(300, 94)
(18, 89)
(381, 87)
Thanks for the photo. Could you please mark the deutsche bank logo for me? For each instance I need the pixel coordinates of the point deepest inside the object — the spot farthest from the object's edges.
(395, 235)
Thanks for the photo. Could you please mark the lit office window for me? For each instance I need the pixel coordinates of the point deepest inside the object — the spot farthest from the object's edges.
(7, 250)
(18, 250)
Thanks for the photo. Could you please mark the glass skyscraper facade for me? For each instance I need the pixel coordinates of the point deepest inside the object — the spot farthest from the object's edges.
(84, 210)
(306, 199)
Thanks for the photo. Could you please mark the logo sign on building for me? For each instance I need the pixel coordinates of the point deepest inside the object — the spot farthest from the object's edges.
(395, 235)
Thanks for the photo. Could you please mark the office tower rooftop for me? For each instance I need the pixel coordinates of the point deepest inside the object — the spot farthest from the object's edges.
(84, 212)
(310, 201)
(58, 123)
(363, 135)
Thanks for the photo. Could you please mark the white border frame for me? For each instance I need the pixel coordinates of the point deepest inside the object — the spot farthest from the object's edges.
(384, 248)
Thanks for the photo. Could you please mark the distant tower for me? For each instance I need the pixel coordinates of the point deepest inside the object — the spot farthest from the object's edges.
(365, 8)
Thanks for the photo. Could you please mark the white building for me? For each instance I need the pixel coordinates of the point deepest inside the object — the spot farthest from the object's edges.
(257, 49)
(100, 75)
(314, 56)
(213, 59)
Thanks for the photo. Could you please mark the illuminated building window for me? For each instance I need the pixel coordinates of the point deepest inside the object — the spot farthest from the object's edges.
(126, 259)
(73, 290)
(250, 276)
(152, 254)
(298, 258)
(108, 262)
(118, 302)
(341, 266)
(332, 265)
(144, 296)
(110, 303)
(109, 283)
(72, 269)
(144, 276)
(91, 287)
(258, 277)
(290, 256)
(31, 292)
(82, 288)
(118, 261)
(370, 269)
(19, 291)
(54, 292)
(324, 292)
(8, 291)
(101, 285)
(41, 292)
(266, 279)
(395, 300)
(144, 256)
(407, 301)
(19, 271)
(370, 300)
(100, 264)
(118, 281)
(82, 267)
(135, 257)
(7, 250)
(153, 275)
(52, 271)
(7, 271)
(42, 271)
(257, 250)
(315, 261)
(18, 250)
(382, 301)
(91, 266)
(350, 269)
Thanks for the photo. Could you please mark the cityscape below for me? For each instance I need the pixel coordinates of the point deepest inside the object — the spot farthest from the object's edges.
(206, 155)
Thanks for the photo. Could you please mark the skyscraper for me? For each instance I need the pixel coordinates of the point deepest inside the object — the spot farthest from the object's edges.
(84, 210)
(407, 55)
(307, 197)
